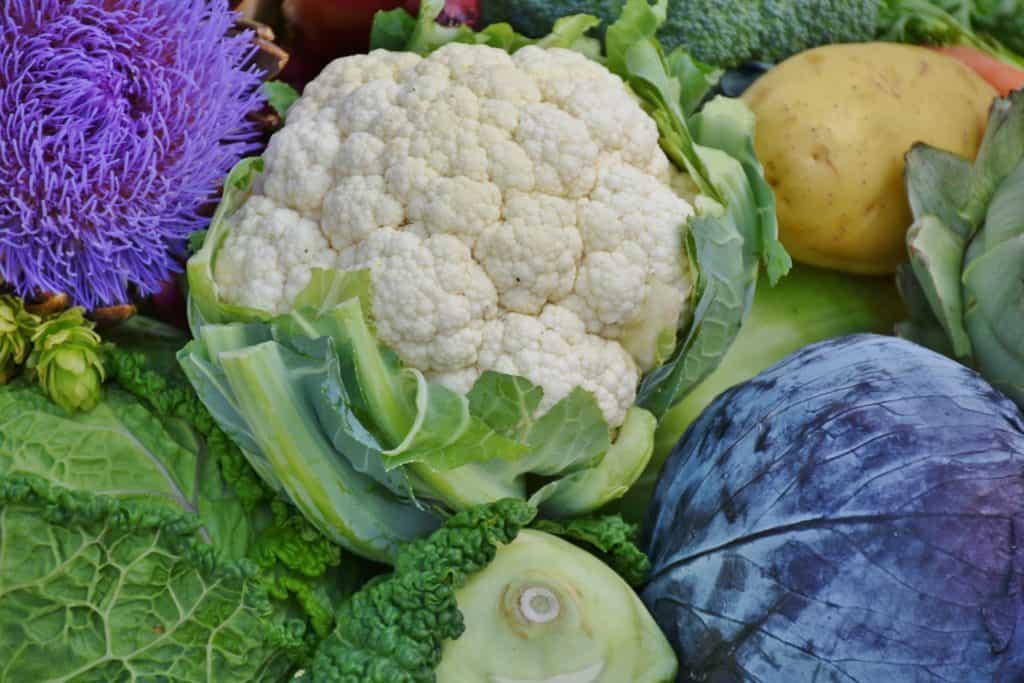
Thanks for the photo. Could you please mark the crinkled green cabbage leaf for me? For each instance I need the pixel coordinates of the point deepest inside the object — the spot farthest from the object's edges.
(136, 543)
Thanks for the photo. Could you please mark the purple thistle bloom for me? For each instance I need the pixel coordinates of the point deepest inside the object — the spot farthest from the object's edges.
(118, 119)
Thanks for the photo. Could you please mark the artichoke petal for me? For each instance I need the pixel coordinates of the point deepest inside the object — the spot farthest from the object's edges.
(967, 251)
(936, 255)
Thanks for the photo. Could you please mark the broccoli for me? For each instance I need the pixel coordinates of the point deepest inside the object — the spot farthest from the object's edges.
(720, 32)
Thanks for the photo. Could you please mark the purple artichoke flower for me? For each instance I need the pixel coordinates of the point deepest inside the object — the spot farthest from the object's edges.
(118, 119)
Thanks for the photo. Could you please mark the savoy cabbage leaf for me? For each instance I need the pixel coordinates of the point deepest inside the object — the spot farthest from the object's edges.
(136, 543)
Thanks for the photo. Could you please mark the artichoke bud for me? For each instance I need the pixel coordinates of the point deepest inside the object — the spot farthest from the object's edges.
(16, 329)
(67, 360)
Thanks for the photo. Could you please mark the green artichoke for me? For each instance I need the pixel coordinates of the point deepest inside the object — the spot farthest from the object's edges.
(67, 360)
(16, 328)
(964, 286)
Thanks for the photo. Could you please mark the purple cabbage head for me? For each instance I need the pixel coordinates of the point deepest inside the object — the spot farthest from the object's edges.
(849, 515)
(118, 118)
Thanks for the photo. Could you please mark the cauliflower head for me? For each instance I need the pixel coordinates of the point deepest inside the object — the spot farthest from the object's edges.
(516, 214)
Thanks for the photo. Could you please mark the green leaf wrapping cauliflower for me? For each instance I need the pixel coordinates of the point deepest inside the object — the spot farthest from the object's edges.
(515, 212)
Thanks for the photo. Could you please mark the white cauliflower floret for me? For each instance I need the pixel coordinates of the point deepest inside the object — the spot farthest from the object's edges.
(554, 351)
(515, 212)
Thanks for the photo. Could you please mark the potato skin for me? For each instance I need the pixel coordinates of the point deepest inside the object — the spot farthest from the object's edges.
(833, 125)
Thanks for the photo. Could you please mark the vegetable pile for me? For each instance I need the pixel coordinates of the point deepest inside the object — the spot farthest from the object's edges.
(478, 341)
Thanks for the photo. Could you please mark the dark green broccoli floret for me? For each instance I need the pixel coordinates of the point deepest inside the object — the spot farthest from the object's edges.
(719, 32)
(534, 18)
(791, 26)
(393, 629)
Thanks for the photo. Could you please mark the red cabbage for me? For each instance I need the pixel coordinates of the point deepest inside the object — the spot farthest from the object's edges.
(848, 515)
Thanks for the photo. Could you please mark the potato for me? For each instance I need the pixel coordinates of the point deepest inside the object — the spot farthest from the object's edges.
(833, 125)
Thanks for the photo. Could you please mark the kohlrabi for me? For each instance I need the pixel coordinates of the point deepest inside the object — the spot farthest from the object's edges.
(484, 600)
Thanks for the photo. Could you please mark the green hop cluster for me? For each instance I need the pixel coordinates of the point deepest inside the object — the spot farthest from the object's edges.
(67, 360)
(16, 329)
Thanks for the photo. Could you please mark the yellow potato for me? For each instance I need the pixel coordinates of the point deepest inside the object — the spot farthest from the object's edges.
(833, 125)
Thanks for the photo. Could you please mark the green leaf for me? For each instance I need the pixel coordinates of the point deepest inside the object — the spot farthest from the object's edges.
(327, 289)
(967, 250)
(269, 383)
(572, 434)
(343, 418)
(196, 241)
(591, 488)
(391, 30)
(280, 96)
(696, 78)
(120, 534)
(1001, 151)
(93, 589)
(505, 402)
(120, 448)
(937, 257)
(204, 304)
(921, 327)
(570, 33)
(1000, 361)
(993, 281)
(372, 377)
(445, 435)
(938, 184)
(634, 54)
(428, 35)
(727, 280)
(413, 611)
(611, 538)
(728, 125)
(397, 30)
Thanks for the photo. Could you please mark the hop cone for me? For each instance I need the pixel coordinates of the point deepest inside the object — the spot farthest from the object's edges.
(67, 360)
(16, 328)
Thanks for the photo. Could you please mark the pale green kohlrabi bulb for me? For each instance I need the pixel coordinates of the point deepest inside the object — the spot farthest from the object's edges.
(545, 611)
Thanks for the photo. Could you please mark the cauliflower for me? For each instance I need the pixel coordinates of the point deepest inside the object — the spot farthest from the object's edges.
(516, 214)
